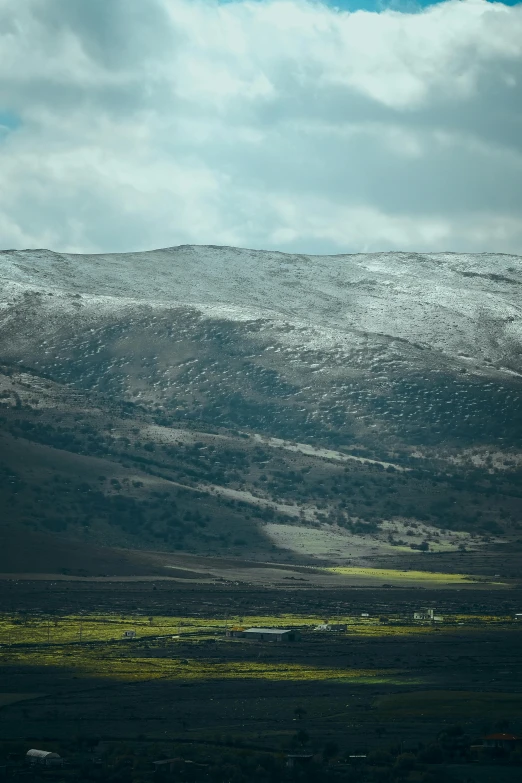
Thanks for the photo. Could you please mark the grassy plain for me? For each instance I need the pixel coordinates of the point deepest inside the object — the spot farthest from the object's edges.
(54, 630)
(117, 664)
(94, 646)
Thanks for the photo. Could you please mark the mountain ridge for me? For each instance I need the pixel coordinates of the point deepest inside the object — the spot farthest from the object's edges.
(420, 298)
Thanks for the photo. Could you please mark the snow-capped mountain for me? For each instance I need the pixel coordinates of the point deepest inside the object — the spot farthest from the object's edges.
(327, 348)
(209, 398)
(465, 307)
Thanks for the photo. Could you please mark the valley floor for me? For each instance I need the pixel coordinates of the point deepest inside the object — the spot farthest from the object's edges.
(67, 671)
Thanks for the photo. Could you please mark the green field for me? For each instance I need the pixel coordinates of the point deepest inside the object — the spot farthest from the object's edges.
(93, 645)
(113, 663)
(19, 629)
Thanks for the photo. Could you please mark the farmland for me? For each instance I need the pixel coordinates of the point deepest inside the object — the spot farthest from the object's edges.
(63, 653)
(25, 630)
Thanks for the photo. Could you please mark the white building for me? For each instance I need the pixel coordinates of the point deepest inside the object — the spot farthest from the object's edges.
(45, 757)
(428, 614)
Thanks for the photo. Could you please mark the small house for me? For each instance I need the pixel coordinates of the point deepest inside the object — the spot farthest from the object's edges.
(44, 757)
(234, 633)
(331, 627)
(271, 634)
(428, 614)
(129, 635)
(502, 741)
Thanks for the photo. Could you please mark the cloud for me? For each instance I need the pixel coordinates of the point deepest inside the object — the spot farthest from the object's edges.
(272, 124)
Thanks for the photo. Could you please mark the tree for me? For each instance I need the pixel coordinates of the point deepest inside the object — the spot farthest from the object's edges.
(302, 737)
(379, 758)
(330, 750)
(404, 763)
(433, 754)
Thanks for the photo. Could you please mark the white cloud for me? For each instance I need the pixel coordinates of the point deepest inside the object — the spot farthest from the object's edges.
(281, 123)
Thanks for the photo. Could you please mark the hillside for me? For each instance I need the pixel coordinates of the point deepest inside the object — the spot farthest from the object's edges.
(217, 400)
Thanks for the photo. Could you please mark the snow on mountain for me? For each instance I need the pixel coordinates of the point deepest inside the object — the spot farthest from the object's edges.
(342, 390)
(466, 306)
(380, 349)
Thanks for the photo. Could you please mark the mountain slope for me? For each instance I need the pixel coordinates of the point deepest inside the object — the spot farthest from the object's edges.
(374, 393)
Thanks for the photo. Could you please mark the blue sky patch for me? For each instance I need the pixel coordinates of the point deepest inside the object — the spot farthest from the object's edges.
(8, 121)
(406, 6)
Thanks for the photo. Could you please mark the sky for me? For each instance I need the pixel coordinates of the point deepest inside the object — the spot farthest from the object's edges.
(294, 125)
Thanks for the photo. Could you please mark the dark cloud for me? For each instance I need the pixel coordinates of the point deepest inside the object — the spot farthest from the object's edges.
(113, 34)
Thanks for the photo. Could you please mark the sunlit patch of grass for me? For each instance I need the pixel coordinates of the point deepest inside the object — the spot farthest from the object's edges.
(19, 629)
(390, 629)
(482, 619)
(110, 663)
(393, 575)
